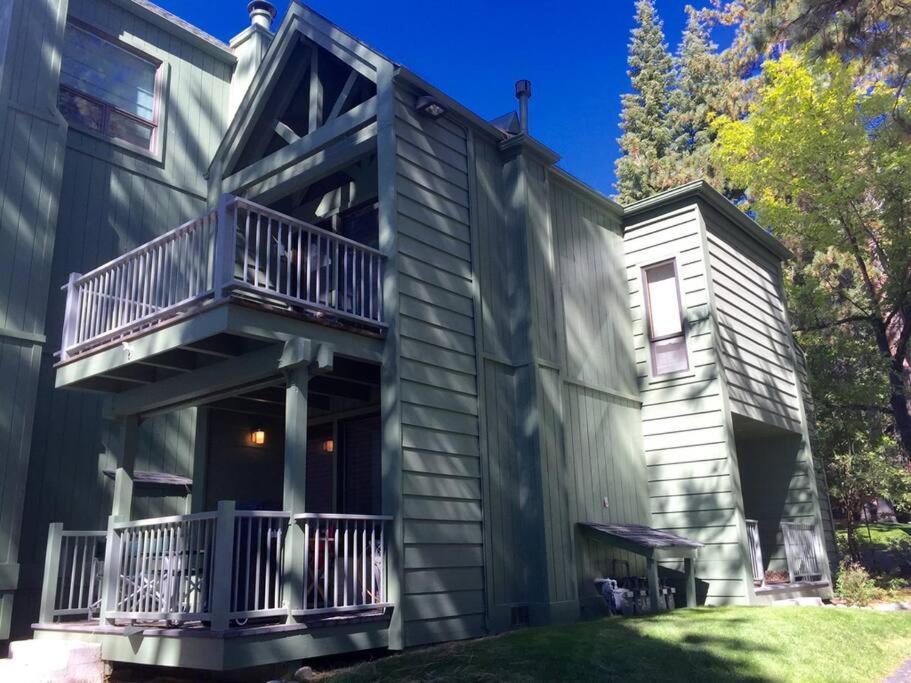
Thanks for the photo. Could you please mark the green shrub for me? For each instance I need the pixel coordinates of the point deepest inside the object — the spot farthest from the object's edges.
(855, 585)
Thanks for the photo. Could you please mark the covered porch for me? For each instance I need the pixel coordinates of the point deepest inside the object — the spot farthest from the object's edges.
(286, 538)
(784, 533)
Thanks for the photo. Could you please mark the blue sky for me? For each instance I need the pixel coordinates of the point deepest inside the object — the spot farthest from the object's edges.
(574, 52)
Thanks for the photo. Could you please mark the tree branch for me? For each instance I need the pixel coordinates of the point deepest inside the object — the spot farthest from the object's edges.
(835, 323)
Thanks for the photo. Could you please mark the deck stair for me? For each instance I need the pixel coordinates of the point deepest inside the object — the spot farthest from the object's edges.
(51, 660)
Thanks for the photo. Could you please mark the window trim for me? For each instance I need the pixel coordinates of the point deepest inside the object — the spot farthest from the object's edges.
(688, 371)
(155, 124)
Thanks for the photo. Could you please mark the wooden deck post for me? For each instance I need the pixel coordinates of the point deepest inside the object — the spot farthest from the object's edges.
(225, 237)
(652, 570)
(689, 568)
(71, 315)
(220, 609)
(295, 482)
(51, 573)
(122, 443)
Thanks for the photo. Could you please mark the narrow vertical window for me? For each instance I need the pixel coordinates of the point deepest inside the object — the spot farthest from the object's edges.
(667, 339)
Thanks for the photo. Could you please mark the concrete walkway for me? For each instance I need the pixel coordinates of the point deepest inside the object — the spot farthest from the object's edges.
(902, 675)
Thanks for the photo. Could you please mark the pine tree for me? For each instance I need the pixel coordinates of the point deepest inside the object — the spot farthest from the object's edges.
(647, 139)
(696, 100)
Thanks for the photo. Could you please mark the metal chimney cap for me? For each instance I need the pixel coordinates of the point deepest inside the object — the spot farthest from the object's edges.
(262, 13)
(523, 88)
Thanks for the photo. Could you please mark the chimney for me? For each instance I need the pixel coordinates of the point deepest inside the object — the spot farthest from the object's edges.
(523, 94)
(249, 46)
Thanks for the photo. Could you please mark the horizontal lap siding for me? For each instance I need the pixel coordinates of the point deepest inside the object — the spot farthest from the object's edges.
(443, 593)
(687, 448)
(111, 201)
(822, 486)
(755, 338)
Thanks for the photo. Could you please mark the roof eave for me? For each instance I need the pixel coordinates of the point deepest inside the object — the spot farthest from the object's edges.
(702, 190)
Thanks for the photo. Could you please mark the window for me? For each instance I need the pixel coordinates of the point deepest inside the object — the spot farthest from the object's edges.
(108, 88)
(665, 319)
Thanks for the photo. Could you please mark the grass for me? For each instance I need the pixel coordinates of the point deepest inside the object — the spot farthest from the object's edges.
(881, 536)
(706, 644)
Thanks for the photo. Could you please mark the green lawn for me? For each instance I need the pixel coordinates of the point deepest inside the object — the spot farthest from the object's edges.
(706, 644)
(881, 536)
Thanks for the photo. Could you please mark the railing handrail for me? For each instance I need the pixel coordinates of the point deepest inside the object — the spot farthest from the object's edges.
(173, 519)
(332, 515)
(99, 534)
(291, 220)
(141, 249)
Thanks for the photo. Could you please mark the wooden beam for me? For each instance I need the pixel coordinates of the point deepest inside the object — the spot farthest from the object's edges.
(216, 346)
(319, 165)
(258, 138)
(343, 95)
(192, 387)
(179, 360)
(310, 144)
(316, 92)
(284, 130)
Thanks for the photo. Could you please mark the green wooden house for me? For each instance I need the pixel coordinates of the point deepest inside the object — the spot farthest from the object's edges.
(300, 356)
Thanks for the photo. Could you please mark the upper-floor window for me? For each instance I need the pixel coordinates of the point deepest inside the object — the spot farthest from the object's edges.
(665, 318)
(108, 87)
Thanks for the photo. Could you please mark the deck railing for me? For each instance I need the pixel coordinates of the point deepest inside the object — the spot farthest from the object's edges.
(344, 562)
(259, 552)
(803, 548)
(220, 568)
(755, 551)
(164, 568)
(72, 574)
(239, 246)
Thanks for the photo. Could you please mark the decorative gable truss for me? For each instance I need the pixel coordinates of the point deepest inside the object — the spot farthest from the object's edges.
(311, 111)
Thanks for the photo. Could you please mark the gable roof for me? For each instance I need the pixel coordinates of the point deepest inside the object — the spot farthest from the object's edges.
(700, 189)
(299, 22)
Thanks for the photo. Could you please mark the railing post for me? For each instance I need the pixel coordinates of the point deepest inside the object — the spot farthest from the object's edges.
(220, 607)
(71, 316)
(51, 573)
(111, 575)
(225, 238)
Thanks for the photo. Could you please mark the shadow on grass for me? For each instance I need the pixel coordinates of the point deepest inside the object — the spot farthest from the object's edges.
(604, 650)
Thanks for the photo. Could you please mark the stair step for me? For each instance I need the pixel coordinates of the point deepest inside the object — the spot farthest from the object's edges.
(49, 660)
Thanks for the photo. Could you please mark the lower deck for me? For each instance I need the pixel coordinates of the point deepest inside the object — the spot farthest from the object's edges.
(196, 646)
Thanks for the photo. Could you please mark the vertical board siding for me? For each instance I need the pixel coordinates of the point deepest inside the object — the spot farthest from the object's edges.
(32, 140)
(687, 448)
(755, 339)
(112, 200)
(443, 592)
(591, 441)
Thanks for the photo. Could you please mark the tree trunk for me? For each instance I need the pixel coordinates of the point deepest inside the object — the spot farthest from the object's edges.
(898, 402)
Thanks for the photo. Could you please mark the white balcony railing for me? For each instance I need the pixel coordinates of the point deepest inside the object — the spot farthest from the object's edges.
(220, 568)
(238, 246)
(755, 551)
(803, 548)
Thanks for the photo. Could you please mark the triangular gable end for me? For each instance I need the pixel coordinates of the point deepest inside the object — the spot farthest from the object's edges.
(313, 74)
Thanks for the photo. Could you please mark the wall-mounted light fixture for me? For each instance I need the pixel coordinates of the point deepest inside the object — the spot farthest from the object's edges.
(428, 105)
(258, 437)
(328, 446)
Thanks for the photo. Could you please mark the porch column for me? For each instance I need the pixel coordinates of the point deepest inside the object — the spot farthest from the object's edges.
(652, 573)
(122, 443)
(689, 568)
(295, 481)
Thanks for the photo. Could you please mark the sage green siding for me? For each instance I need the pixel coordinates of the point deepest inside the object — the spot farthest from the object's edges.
(754, 336)
(693, 481)
(443, 593)
(110, 201)
(31, 155)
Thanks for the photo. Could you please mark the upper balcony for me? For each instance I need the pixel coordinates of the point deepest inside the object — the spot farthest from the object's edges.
(239, 252)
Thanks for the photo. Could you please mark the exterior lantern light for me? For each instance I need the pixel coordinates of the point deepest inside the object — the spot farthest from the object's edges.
(258, 437)
(328, 446)
(427, 105)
